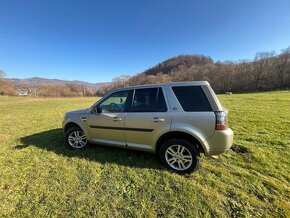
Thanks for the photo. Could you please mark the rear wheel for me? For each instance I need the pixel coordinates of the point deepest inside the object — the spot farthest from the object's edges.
(75, 138)
(179, 156)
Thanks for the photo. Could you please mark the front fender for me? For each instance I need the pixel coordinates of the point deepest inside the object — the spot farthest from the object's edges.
(75, 120)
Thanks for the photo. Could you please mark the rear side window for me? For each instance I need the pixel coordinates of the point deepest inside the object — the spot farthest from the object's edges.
(192, 98)
(149, 100)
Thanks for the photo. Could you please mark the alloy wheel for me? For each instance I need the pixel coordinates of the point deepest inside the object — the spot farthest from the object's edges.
(178, 157)
(77, 139)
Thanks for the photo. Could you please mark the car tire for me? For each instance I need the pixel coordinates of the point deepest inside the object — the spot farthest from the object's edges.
(179, 156)
(75, 138)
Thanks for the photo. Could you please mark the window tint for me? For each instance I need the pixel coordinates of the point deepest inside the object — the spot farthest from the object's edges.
(192, 98)
(114, 103)
(149, 100)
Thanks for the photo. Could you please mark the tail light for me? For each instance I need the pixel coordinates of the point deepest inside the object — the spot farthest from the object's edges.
(221, 120)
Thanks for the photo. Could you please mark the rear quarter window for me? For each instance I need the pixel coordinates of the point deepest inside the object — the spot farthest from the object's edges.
(192, 98)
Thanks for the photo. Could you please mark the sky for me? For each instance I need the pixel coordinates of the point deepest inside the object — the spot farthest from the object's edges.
(97, 40)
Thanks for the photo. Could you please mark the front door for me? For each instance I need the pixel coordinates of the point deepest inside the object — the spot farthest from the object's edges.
(107, 126)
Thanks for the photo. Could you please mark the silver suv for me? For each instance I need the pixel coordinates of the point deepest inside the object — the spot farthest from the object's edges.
(177, 121)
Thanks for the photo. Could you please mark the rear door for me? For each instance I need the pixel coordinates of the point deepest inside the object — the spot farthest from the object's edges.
(147, 118)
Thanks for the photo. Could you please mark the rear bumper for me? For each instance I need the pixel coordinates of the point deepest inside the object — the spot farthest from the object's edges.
(220, 142)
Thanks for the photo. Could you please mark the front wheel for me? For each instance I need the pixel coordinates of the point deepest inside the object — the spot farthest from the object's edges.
(179, 156)
(75, 138)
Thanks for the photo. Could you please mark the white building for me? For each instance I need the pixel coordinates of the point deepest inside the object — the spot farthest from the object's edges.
(22, 92)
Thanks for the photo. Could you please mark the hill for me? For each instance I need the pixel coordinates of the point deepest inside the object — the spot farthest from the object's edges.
(38, 80)
(172, 64)
(266, 72)
(43, 87)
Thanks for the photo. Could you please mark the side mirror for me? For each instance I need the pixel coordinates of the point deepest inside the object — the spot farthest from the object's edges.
(99, 110)
(93, 110)
(96, 109)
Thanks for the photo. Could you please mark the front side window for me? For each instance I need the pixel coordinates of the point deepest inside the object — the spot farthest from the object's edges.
(149, 100)
(192, 98)
(114, 103)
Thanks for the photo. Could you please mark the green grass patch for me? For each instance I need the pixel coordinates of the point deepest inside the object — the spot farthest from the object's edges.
(40, 177)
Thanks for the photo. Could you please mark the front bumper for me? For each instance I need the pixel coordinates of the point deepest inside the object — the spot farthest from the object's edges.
(220, 142)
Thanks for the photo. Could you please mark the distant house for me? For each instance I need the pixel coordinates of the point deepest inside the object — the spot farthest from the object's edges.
(22, 92)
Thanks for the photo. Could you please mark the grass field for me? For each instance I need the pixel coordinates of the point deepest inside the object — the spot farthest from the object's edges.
(40, 177)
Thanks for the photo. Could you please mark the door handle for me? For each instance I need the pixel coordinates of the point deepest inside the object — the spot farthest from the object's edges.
(156, 119)
(117, 119)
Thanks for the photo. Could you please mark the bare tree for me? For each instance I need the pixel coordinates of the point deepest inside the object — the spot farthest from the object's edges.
(281, 65)
(262, 64)
(2, 74)
(120, 81)
(6, 87)
(243, 76)
(228, 70)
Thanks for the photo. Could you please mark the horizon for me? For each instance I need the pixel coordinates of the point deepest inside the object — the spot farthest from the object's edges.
(96, 42)
(37, 77)
(77, 80)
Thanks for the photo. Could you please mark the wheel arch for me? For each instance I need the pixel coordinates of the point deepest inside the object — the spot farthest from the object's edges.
(181, 135)
(71, 125)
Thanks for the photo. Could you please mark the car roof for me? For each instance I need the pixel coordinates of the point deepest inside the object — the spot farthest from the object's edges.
(190, 83)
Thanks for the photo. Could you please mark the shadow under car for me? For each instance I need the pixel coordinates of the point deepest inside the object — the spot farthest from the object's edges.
(53, 140)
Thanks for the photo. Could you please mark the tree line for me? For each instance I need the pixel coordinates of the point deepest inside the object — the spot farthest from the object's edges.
(63, 90)
(47, 91)
(268, 71)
